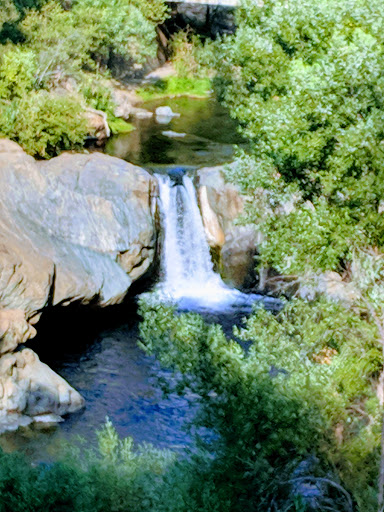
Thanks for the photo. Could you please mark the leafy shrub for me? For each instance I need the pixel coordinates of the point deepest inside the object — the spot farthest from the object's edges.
(115, 477)
(282, 400)
(60, 41)
(96, 93)
(69, 51)
(44, 124)
(92, 31)
(306, 83)
(18, 68)
(121, 28)
(8, 12)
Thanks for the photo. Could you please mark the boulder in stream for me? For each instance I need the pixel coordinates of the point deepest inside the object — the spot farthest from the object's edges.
(164, 115)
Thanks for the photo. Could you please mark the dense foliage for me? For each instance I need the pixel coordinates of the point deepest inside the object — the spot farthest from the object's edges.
(55, 61)
(301, 391)
(305, 79)
(115, 477)
(8, 12)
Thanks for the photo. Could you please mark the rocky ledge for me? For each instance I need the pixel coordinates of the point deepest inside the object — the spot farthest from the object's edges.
(78, 228)
(233, 246)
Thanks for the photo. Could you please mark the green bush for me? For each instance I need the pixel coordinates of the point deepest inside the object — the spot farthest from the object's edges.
(8, 12)
(114, 477)
(68, 51)
(90, 32)
(44, 124)
(18, 69)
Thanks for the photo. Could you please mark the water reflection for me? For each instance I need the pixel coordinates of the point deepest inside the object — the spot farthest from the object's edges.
(210, 136)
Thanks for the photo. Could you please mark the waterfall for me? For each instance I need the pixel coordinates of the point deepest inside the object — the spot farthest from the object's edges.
(186, 258)
(187, 274)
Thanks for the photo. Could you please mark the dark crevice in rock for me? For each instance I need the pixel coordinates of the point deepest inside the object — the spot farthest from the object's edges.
(51, 293)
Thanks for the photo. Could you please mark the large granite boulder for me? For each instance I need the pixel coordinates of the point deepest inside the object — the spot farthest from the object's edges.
(233, 246)
(78, 228)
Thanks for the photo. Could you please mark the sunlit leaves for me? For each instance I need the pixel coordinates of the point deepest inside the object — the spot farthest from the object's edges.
(8, 12)
(306, 81)
(304, 378)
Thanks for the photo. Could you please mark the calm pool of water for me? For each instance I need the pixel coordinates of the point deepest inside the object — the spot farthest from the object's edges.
(209, 136)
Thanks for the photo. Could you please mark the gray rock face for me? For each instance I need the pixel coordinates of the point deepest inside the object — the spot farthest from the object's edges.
(76, 228)
(30, 389)
(214, 20)
(236, 246)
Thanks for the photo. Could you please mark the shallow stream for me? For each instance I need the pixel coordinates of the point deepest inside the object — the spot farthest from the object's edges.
(97, 352)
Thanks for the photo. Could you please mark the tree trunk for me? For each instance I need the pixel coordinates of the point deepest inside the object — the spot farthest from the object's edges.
(380, 394)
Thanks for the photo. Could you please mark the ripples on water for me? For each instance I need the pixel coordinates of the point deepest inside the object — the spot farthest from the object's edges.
(116, 378)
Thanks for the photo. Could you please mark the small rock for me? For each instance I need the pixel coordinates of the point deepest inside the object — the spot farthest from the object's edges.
(175, 135)
(166, 112)
(164, 115)
(177, 175)
(141, 113)
(48, 418)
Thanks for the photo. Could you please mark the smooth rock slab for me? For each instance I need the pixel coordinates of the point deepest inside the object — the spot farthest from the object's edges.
(221, 204)
(78, 228)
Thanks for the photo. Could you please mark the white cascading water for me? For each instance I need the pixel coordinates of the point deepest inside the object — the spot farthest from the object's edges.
(188, 277)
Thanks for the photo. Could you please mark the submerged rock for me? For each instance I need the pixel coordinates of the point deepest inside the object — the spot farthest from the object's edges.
(177, 175)
(173, 135)
(78, 228)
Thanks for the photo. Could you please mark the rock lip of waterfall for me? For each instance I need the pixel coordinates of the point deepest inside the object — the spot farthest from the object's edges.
(187, 275)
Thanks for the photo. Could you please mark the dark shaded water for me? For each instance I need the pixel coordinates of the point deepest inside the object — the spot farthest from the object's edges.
(209, 136)
(99, 355)
(97, 352)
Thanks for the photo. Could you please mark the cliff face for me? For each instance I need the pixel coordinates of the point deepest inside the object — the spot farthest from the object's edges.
(78, 228)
